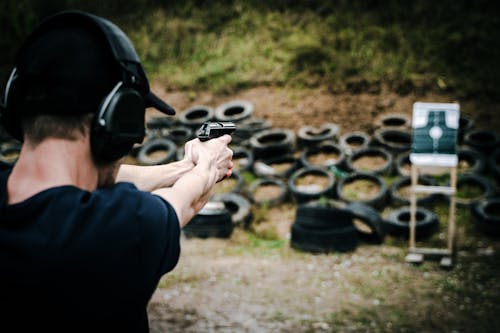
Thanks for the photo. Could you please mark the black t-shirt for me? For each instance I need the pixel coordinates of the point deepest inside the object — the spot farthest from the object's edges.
(73, 260)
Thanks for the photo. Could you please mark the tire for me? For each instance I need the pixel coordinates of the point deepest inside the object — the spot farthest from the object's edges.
(486, 214)
(396, 121)
(238, 206)
(353, 141)
(195, 116)
(308, 136)
(465, 125)
(243, 159)
(210, 222)
(395, 141)
(494, 165)
(179, 134)
(221, 187)
(234, 111)
(402, 164)
(377, 201)
(470, 161)
(326, 147)
(270, 167)
(272, 142)
(314, 215)
(9, 152)
(384, 169)
(397, 222)
(324, 241)
(311, 192)
(481, 140)
(279, 198)
(367, 222)
(475, 180)
(400, 200)
(157, 144)
(159, 123)
(250, 126)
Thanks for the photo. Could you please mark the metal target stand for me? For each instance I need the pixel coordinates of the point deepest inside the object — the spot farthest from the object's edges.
(435, 127)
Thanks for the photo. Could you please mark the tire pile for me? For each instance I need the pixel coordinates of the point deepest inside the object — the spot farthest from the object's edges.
(336, 178)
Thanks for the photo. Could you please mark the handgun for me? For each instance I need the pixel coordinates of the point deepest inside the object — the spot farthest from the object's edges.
(214, 129)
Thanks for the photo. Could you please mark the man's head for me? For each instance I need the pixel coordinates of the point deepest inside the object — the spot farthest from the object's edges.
(79, 72)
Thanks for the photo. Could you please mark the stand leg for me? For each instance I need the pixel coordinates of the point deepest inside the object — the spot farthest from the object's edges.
(451, 215)
(413, 206)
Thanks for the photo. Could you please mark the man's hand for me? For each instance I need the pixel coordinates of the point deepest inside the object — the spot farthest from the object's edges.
(214, 155)
(212, 163)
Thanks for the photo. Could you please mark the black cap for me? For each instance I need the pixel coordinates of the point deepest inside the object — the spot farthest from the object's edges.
(71, 61)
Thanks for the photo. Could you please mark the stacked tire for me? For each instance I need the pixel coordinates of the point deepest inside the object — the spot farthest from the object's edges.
(486, 216)
(323, 229)
(214, 220)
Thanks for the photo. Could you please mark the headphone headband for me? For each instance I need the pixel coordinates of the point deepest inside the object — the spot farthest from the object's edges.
(119, 120)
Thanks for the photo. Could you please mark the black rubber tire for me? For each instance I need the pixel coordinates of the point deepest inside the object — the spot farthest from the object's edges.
(143, 156)
(486, 216)
(475, 180)
(240, 183)
(195, 116)
(402, 164)
(315, 215)
(234, 111)
(243, 159)
(473, 158)
(272, 142)
(301, 194)
(481, 140)
(494, 165)
(250, 126)
(324, 147)
(325, 240)
(385, 169)
(265, 168)
(308, 136)
(238, 206)
(179, 134)
(397, 223)
(159, 123)
(392, 120)
(402, 181)
(9, 152)
(465, 125)
(378, 201)
(367, 222)
(395, 141)
(353, 141)
(280, 198)
(210, 223)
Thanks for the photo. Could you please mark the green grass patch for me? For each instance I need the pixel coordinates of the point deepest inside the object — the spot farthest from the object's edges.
(227, 45)
(256, 244)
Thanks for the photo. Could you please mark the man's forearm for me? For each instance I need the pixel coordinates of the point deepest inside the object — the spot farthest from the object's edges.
(150, 178)
(190, 193)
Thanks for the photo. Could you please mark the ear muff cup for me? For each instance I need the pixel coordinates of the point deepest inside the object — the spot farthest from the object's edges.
(118, 125)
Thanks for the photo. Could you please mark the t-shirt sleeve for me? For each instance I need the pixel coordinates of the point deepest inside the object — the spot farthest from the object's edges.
(160, 235)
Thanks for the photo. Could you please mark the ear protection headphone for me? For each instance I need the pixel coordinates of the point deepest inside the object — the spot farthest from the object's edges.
(119, 121)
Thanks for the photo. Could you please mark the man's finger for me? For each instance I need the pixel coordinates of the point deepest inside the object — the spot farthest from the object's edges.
(226, 138)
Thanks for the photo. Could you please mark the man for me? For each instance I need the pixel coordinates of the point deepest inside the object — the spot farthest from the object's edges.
(83, 239)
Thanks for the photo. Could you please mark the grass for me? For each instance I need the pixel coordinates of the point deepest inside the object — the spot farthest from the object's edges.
(227, 45)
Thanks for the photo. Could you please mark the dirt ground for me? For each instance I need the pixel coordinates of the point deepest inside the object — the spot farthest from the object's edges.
(260, 284)
(294, 108)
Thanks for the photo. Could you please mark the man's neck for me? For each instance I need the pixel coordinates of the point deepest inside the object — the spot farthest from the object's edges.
(53, 162)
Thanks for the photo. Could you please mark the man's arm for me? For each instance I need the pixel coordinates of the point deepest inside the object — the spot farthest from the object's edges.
(150, 178)
(192, 190)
